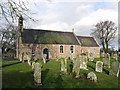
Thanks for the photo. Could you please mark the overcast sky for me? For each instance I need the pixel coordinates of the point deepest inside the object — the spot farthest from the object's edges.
(63, 15)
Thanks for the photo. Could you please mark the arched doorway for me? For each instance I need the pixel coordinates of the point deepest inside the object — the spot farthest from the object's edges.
(45, 51)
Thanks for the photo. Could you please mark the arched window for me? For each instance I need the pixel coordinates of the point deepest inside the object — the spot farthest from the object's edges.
(71, 49)
(61, 49)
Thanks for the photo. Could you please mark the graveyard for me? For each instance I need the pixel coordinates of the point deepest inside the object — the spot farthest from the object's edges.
(16, 74)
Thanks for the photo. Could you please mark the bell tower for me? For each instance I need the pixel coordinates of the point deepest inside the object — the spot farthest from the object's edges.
(20, 29)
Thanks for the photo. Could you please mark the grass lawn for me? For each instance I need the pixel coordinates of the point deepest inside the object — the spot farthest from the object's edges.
(19, 75)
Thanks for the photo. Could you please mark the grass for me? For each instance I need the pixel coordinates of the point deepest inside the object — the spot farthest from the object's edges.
(19, 75)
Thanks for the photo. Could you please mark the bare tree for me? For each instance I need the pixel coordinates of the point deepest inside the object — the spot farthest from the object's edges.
(8, 38)
(106, 32)
(13, 9)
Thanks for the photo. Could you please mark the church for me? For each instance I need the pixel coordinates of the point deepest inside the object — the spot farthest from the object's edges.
(55, 44)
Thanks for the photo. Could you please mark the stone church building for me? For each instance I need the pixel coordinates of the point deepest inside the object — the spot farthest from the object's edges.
(55, 44)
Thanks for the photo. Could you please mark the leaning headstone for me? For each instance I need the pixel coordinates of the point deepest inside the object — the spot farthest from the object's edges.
(92, 76)
(76, 66)
(44, 58)
(33, 66)
(106, 60)
(99, 66)
(115, 69)
(83, 62)
(37, 74)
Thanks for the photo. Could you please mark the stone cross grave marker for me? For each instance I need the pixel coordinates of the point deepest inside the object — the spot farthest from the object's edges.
(37, 74)
(106, 60)
(115, 69)
(44, 58)
(76, 66)
(92, 76)
(99, 66)
(83, 62)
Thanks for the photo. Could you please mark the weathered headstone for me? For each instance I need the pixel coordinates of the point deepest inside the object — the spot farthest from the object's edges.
(37, 74)
(115, 69)
(106, 60)
(102, 54)
(28, 58)
(22, 57)
(92, 76)
(44, 58)
(115, 56)
(76, 66)
(99, 66)
(64, 64)
(91, 58)
(83, 62)
(33, 66)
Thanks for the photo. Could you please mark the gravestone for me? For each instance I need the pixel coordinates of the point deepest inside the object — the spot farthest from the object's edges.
(83, 62)
(44, 58)
(115, 56)
(64, 64)
(76, 66)
(92, 76)
(91, 58)
(28, 58)
(102, 55)
(106, 60)
(99, 66)
(33, 66)
(37, 74)
(115, 69)
(22, 57)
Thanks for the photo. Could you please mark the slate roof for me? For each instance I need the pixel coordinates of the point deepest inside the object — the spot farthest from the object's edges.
(87, 41)
(38, 36)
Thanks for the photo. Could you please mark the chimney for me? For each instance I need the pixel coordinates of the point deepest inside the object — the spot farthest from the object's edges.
(20, 24)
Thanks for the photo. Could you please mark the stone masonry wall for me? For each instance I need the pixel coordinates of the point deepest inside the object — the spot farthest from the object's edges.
(54, 50)
(95, 51)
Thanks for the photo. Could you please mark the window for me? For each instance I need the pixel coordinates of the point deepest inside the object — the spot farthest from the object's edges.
(71, 49)
(61, 49)
(81, 51)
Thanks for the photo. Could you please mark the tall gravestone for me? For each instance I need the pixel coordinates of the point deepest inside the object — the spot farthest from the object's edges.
(106, 60)
(83, 62)
(37, 74)
(28, 58)
(64, 64)
(76, 66)
(44, 58)
(115, 56)
(115, 69)
(99, 66)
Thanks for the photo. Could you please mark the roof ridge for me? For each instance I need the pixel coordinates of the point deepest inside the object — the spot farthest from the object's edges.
(84, 36)
(46, 30)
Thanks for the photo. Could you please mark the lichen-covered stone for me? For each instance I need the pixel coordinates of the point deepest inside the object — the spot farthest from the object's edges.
(83, 62)
(106, 60)
(99, 66)
(37, 74)
(92, 76)
(115, 69)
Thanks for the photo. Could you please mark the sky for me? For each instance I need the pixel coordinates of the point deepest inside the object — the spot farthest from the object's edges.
(64, 15)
